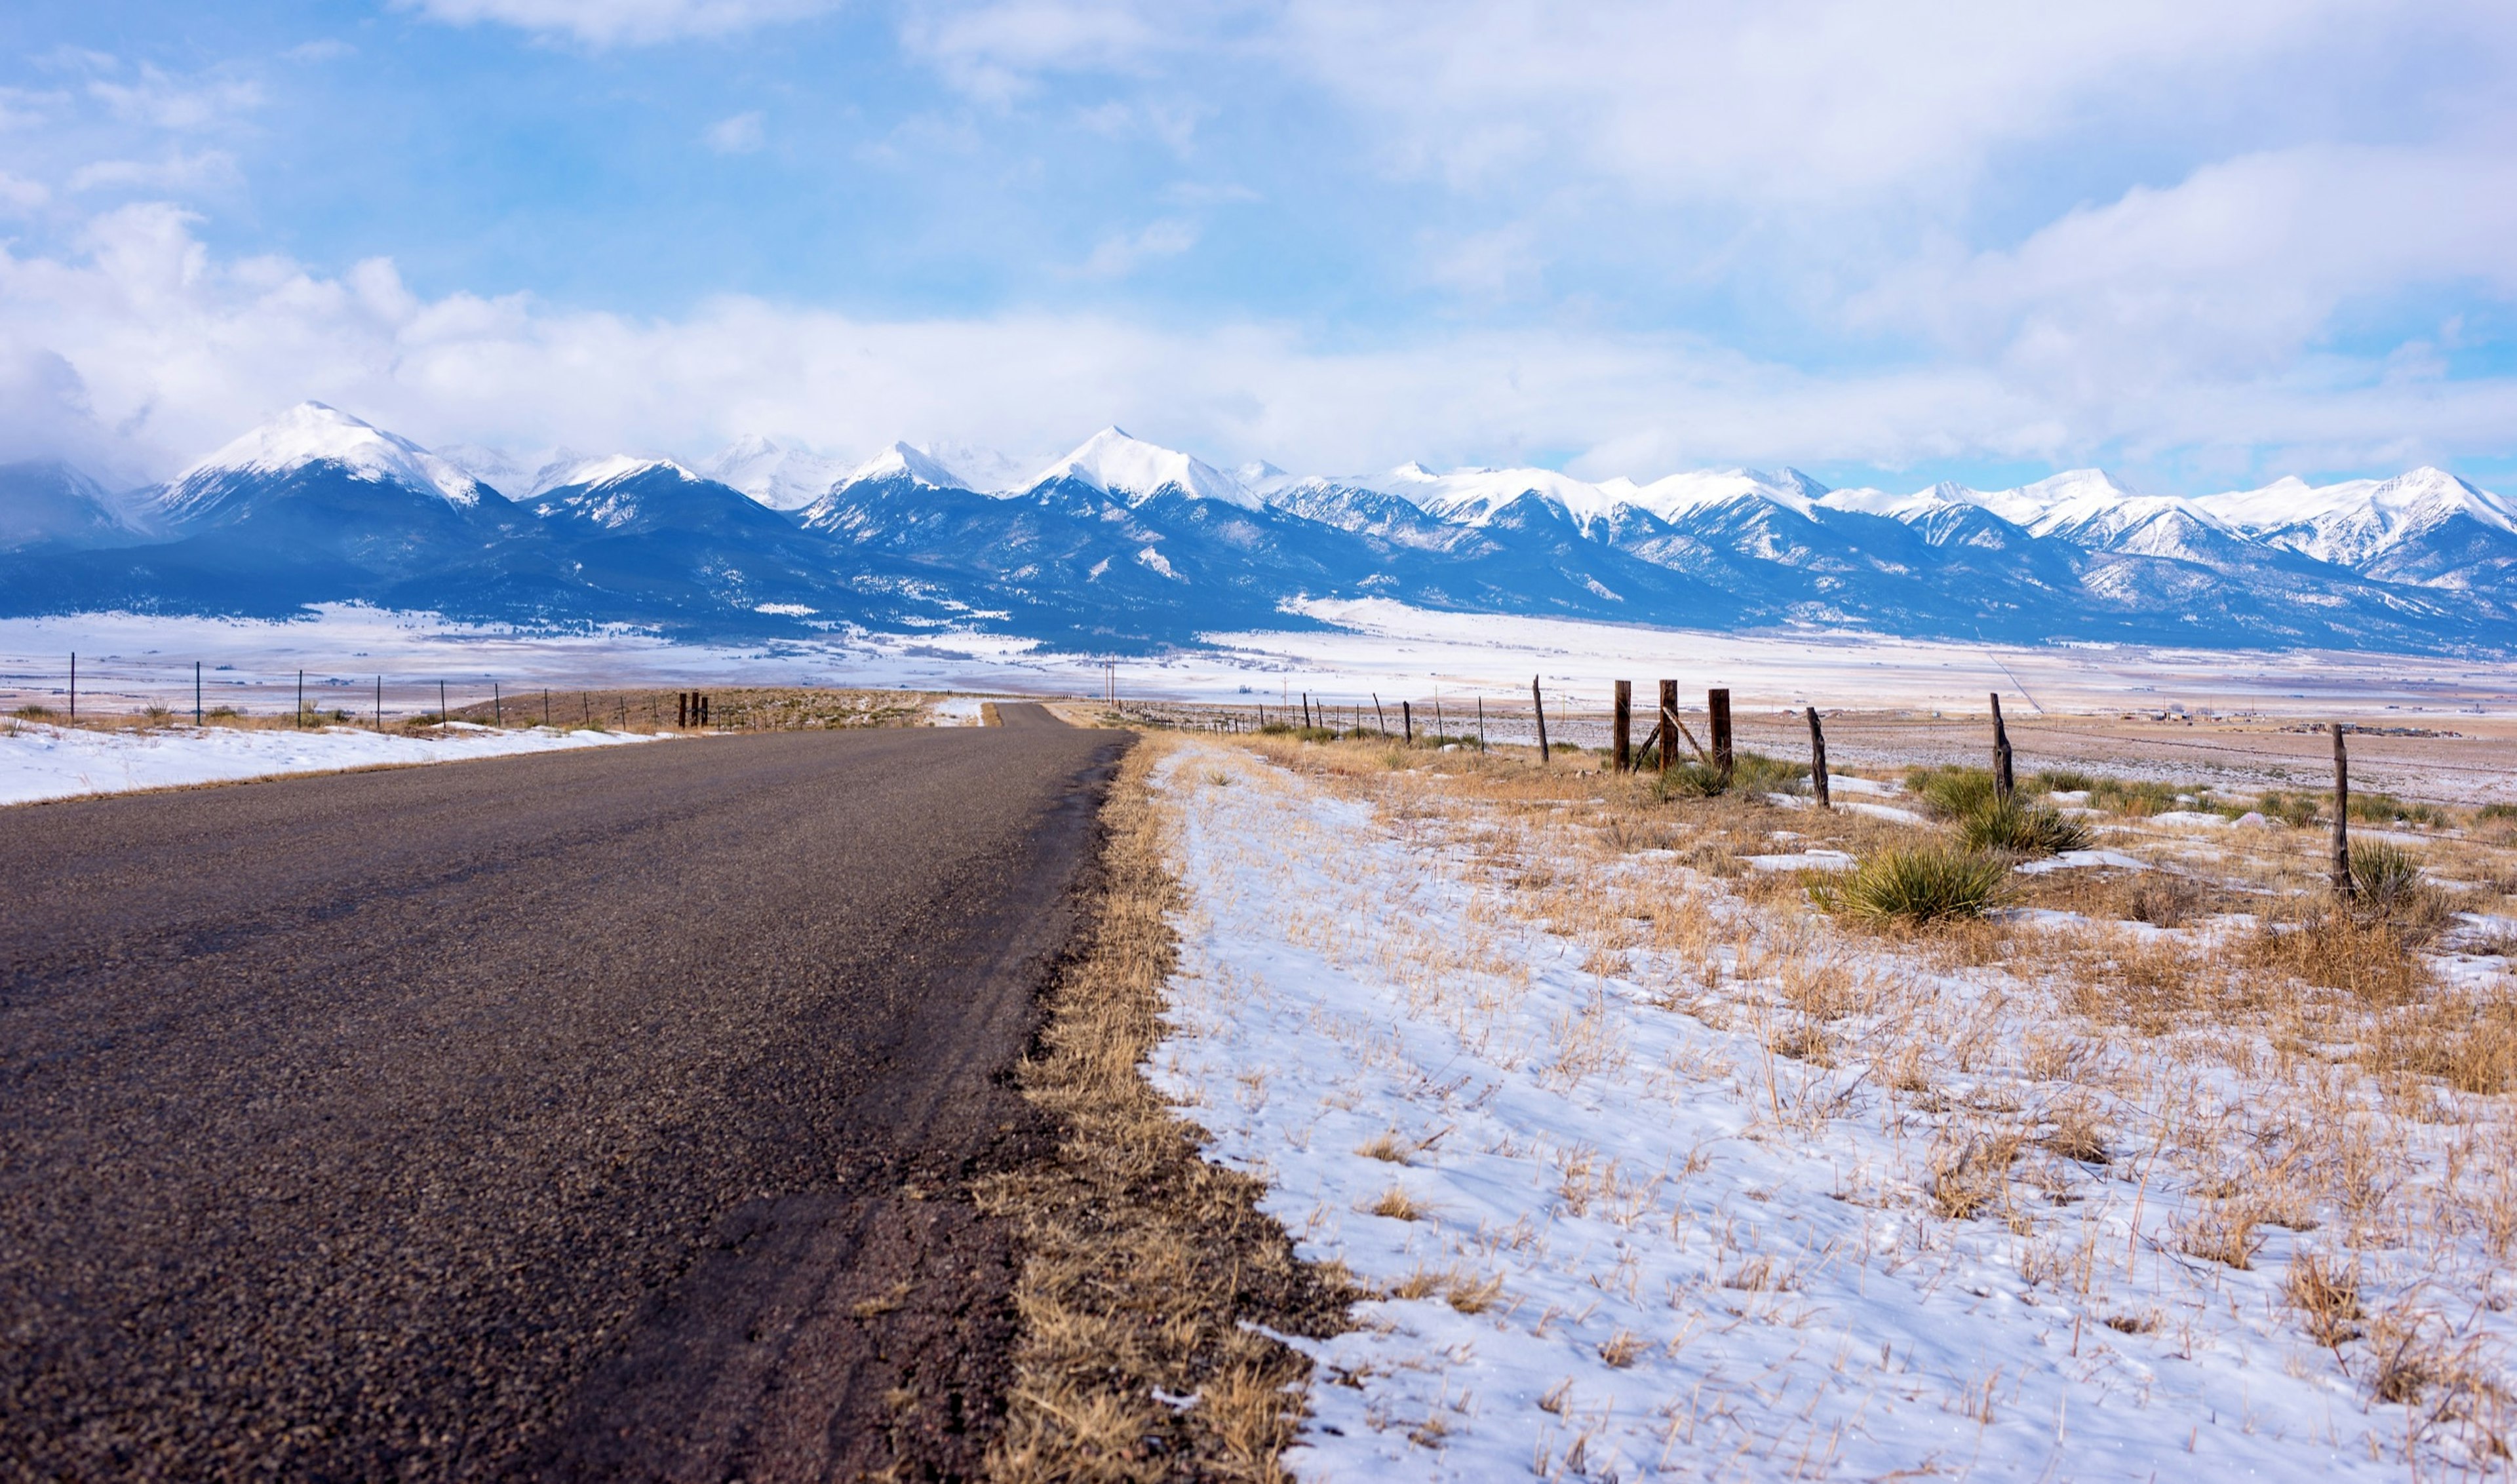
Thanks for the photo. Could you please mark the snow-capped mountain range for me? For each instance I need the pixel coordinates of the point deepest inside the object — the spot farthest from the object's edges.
(1122, 544)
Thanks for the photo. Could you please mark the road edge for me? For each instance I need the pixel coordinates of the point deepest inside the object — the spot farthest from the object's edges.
(1149, 1278)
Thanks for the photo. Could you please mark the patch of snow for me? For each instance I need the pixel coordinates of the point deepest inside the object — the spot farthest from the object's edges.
(40, 762)
(1807, 859)
(2081, 860)
(1647, 1246)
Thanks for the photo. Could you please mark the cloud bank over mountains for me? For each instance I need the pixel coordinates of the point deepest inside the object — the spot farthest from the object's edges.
(2208, 243)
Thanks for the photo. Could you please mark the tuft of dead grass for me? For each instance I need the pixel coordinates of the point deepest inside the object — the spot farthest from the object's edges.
(1143, 1266)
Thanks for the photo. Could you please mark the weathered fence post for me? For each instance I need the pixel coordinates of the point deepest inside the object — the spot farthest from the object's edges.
(301, 685)
(1538, 702)
(1716, 703)
(1407, 719)
(1668, 732)
(381, 702)
(1437, 718)
(498, 706)
(546, 705)
(1817, 762)
(2343, 886)
(1379, 718)
(1624, 727)
(442, 716)
(301, 698)
(2001, 781)
(1481, 723)
(197, 693)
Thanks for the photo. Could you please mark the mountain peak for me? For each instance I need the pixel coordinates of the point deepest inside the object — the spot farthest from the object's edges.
(780, 476)
(313, 433)
(905, 461)
(1114, 463)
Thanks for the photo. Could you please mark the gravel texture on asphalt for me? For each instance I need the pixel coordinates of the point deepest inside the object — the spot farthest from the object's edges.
(600, 1115)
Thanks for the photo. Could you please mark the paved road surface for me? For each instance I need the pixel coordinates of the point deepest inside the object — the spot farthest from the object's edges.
(599, 1115)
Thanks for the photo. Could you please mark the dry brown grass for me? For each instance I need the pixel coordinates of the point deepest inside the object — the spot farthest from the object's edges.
(1144, 1265)
(2211, 1044)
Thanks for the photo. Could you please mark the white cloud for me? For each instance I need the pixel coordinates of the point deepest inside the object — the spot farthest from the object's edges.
(633, 22)
(173, 350)
(742, 134)
(2236, 271)
(178, 172)
(161, 100)
(18, 197)
(1123, 253)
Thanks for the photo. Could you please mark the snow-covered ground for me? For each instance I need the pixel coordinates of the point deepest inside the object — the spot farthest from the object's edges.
(38, 761)
(1665, 1184)
(1370, 645)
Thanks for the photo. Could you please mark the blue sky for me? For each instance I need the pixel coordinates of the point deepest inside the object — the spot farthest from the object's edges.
(2201, 245)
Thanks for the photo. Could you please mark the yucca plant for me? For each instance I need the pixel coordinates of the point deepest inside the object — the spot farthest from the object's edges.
(2022, 830)
(2387, 876)
(1925, 883)
(1689, 780)
(1951, 792)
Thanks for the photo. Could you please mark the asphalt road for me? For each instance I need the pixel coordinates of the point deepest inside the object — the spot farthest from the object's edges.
(595, 1115)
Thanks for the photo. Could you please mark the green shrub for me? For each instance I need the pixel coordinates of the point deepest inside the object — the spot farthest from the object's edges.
(35, 714)
(1314, 735)
(2016, 828)
(1951, 792)
(2386, 808)
(2066, 780)
(2137, 796)
(1918, 885)
(1276, 729)
(1757, 773)
(1689, 780)
(2387, 875)
(2495, 812)
(2297, 810)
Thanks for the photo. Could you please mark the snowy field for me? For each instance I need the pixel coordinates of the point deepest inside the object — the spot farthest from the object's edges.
(1369, 646)
(1667, 1178)
(46, 762)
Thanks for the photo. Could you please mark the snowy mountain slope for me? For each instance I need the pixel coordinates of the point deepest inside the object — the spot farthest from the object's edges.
(1111, 462)
(1124, 543)
(774, 474)
(2426, 526)
(49, 502)
(305, 436)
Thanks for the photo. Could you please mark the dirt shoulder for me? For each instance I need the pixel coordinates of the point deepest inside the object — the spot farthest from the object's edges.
(1147, 1274)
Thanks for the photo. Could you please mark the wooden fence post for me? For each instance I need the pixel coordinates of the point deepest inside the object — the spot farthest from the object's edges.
(498, 706)
(1538, 702)
(1817, 762)
(1624, 727)
(196, 694)
(1437, 718)
(2001, 781)
(2343, 885)
(1379, 718)
(301, 685)
(301, 698)
(442, 717)
(546, 705)
(1407, 719)
(1717, 704)
(1668, 732)
(1481, 723)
